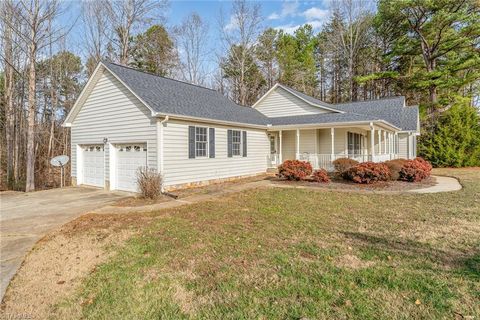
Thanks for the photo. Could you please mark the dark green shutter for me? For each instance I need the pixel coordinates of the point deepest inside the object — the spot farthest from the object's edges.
(229, 143)
(244, 141)
(191, 142)
(211, 142)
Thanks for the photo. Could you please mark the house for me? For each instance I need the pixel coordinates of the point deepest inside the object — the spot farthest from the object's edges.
(125, 119)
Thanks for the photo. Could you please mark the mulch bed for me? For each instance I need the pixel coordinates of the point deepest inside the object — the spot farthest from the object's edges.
(340, 184)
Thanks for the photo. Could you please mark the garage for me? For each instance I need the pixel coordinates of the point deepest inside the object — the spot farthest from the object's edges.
(93, 165)
(129, 157)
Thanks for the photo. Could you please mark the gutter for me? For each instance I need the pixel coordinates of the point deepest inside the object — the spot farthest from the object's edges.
(330, 124)
(160, 125)
(199, 119)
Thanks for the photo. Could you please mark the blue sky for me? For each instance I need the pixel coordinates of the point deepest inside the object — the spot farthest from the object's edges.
(286, 15)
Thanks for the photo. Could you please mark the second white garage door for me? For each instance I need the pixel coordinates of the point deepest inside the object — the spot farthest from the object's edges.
(129, 158)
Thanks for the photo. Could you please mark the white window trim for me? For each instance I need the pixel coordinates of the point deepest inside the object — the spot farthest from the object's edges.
(239, 155)
(207, 143)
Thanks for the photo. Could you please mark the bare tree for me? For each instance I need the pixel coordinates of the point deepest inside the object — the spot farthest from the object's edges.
(127, 15)
(35, 15)
(97, 32)
(191, 37)
(241, 32)
(7, 8)
(350, 37)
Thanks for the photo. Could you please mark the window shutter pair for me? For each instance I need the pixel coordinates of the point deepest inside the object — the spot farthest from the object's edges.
(230, 143)
(191, 142)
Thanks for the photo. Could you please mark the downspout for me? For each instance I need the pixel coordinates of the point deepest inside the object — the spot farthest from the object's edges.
(160, 124)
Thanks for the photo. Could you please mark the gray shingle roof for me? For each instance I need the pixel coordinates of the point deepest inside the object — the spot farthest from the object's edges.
(170, 96)
(175, 97)
(392, 110)
(331, 117)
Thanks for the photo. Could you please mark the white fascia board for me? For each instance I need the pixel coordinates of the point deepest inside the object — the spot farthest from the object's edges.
(68, 122)
(152, 111)
(310, 103)
(208, 120)
(265, 95)
(332, 124)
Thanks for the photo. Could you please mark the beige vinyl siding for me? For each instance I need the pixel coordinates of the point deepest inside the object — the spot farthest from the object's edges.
(324, 141)
(307, 141)
(281, 103)
(288, 144)
(403, 145)
(179, 169)
(111, 111)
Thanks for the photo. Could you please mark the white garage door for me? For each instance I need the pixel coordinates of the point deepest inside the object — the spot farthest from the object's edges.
(129, 158)
(93, 165)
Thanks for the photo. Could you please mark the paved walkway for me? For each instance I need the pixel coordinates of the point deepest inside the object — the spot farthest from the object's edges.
(27, 217)
(444, 184)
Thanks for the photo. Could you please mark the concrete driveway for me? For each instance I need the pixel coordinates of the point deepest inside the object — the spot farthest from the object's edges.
(27, 217)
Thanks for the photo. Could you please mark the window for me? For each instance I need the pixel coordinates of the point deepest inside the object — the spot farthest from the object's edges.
(272, 145)
(355, 144)
(201, 141)
(236, 142)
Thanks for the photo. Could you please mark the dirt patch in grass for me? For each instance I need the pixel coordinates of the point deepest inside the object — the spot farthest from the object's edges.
(343, 185)
(138, 201)
(55, 267)
(351, 261)
(217, 187)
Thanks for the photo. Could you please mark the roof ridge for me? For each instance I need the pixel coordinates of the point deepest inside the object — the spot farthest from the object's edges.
(156, 75)
(370, 100)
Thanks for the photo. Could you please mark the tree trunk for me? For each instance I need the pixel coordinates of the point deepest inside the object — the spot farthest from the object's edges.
(9, 112)
(30, 178)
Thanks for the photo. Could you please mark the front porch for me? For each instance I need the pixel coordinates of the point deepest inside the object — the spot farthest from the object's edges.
(321, 146)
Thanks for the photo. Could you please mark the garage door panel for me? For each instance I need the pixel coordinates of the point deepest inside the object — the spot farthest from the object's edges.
(94, 165)
(129, 158)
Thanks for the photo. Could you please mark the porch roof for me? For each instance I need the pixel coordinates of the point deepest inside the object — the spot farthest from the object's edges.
(326, 119)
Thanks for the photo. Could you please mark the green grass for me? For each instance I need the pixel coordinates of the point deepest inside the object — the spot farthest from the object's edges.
(300, 254)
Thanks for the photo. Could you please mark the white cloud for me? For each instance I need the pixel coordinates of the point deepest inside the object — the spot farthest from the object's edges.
(232, 24)
(289, 9)
(315, 13)
(291, 28)
(274, 16)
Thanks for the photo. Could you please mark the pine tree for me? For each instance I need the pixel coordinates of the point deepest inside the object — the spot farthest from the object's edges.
(455, 138)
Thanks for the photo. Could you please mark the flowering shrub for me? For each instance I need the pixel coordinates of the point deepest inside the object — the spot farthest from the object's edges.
(427, 166)
(415, 170)
(320, 175)
(367, 172)
(395, 166)
(343, 164)
(294, 169)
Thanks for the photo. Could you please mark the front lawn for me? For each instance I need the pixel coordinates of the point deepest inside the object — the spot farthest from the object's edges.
(298, 254)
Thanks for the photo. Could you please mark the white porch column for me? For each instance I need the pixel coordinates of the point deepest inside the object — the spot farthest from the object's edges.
(372, 140)
(297, 156)
(280, 147)
(385, 142)
(396, 146)
(332, 149)
(379, 142)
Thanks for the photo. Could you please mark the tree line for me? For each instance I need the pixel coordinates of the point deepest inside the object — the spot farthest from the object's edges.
(427, 51)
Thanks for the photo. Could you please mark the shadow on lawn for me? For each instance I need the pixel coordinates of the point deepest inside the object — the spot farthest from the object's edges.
(460, 262)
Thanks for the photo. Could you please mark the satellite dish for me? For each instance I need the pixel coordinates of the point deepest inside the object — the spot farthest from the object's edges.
(59, 161)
